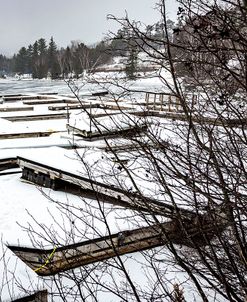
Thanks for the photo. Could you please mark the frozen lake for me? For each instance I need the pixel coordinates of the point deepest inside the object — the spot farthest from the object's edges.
(13, 86)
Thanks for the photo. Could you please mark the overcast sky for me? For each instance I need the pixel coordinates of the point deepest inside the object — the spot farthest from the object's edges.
(24, 21)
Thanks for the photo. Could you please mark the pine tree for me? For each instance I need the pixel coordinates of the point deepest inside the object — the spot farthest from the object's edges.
(80, 58)
(35, 60)
(5, 65)
(52, 58)
(42, 61)
(68, 62)
(29, 59)
(21, 61)
(131, 65)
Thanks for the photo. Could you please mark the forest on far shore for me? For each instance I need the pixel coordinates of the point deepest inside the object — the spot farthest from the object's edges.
(42, 59)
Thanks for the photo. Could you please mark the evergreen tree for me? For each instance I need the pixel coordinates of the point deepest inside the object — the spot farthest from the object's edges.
(5, 65)
(131, 65)
(52, 58)
(42, 60)
(100, 54)
(80, 58)
(35, 60)
(29, 59)
(21, 61)
(68, 61)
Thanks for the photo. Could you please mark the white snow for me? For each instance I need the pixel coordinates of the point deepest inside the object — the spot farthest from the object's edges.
(25, 204)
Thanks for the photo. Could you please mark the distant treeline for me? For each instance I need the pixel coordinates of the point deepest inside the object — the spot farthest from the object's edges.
(42, 59)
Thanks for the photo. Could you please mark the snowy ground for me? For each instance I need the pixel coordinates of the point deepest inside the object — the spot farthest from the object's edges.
(23, 204)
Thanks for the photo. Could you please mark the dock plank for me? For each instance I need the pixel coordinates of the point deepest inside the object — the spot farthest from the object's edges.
(49, 101)
(13, 135)
(13, 109)
(59, 259)
(87, 252)
(37, 117)
(47, 176)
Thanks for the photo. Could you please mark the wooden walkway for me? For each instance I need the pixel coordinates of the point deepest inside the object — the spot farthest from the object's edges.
(26, 134)
(111, 132)
(87, 252)
(16, 98)
(77, 106)
(225, 122)
(10, 95)
(48, 101)
(13, 109)
(37, 117)
(58, 259)
(8, 163)
(57, 179)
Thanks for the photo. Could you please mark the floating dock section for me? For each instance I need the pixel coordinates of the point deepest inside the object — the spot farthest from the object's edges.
(36, 117)
(13, 135)
(56, 179)
(124, 131)
(8, 163)
(13, 109)
(58, 259)
(53, 261)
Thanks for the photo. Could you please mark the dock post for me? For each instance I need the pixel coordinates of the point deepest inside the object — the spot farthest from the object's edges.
(154, 101)
(169, 103)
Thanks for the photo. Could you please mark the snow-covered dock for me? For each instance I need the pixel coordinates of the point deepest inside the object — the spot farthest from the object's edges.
(36, 117)
(22, 108)
(8, 163)
(53, 261)
(61, 179)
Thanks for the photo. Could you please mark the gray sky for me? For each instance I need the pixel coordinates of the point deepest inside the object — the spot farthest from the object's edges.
(24, 21)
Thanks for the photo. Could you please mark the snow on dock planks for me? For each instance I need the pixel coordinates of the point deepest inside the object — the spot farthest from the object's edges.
(15, 98)
(13, 135)
(8, 163)
(37, 117)
(123, 131)
(58, 259)
(57, 179)
(223, 121)
(49, 101)
(77, 106)
(10, 95)
(13, 109)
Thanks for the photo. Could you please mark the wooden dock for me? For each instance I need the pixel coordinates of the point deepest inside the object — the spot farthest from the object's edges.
(112, 132)
(58, 259)
(26, 134)
(48, 102)
(103, 114)
(90, 251)
(13, 109)
(10, 95)
(37, 117)
(47, 176)
(16, 98)
(8, 163)
(224, 122)
(76, 106)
